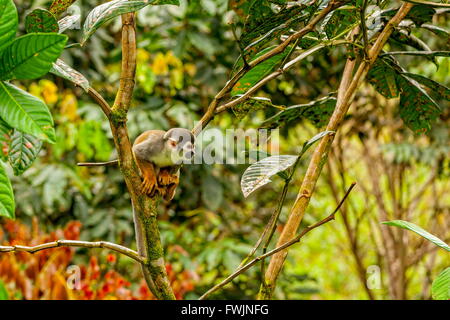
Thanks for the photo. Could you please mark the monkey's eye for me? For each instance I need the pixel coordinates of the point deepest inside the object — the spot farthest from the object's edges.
(173, 143)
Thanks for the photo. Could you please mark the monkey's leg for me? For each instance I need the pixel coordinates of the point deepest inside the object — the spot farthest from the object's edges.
(148, 176)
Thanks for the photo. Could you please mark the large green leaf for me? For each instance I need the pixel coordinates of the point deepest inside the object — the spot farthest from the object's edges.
(5, 138)
(258, 72)
(440, 289)
(8, 23)
(161, 2)
(383, 76)
(417, 109)
(415, 228)
(438, 89)
(31, 56)
(108, 11)
(25, 112)
(7, 204)
(23, 150)
(59, 6)
(318, 112)
(40, 20)
(63, 70)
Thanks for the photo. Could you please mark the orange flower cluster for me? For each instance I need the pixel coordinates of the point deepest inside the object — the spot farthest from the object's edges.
(48, 275)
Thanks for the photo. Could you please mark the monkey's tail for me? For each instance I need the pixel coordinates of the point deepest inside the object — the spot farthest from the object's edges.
(98, 164)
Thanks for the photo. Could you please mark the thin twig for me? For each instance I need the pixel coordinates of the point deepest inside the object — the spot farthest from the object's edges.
(100, 101)
(278, 249)
(74, 243)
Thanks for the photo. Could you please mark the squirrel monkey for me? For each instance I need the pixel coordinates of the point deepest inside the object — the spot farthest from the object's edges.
(158, 155)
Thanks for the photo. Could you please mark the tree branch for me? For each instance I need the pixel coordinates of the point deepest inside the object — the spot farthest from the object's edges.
(247, 266)
(321, 152)
(74, 243)
(210, 113)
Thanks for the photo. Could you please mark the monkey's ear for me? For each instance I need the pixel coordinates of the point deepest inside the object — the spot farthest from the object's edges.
(167, 135)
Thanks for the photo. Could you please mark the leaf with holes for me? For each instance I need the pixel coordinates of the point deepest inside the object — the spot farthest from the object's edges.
(441, 91)
(63, 70)
(59, 6)
(23, 150)
(251, 104)
(258, 72)
(25, 112)
(69, 22)
(108, 11)
(7, 204)
(8, 23)
(440, 289)
(259, 173)
(318, 112)
(417, 109)
(31, 56)
(421, 232)
(5, 138)
(383, 76)
(40, 20)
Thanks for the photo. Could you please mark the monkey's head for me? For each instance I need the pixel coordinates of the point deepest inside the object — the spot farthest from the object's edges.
(180, 142)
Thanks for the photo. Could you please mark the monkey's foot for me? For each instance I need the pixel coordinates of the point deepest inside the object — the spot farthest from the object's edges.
(164, 178)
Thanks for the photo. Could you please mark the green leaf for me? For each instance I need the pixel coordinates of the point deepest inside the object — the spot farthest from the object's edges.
(59, 6)
(61, 69)
(5, 138)
(108, 11)
(421, 232)
(273, 26)
(340, 20)
(31, 56)
(318, 112)
(258, 72)
(251, 104)
(25, 112)
(258, 174)
(3, 292)
(417, 109)
(40, 20)
(7, 204)
(440, 289)
(438, 89)
(8, 23)
(383, 76)
(23, 150)
(161, 2)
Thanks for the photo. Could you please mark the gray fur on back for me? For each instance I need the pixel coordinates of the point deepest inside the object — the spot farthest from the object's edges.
(151, 147)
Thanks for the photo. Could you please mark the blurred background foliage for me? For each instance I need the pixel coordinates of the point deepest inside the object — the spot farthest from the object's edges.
(185, 55)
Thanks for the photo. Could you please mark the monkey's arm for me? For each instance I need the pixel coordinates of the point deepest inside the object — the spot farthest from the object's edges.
(169, 180)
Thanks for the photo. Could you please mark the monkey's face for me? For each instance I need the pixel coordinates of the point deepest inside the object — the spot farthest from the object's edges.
(180, 142)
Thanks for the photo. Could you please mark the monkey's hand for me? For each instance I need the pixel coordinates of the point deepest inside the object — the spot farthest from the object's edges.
(149, 182)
